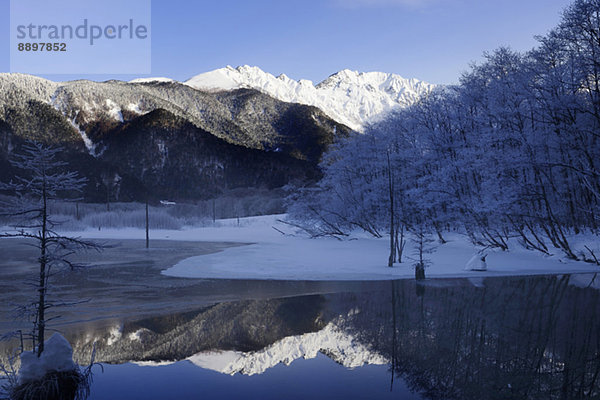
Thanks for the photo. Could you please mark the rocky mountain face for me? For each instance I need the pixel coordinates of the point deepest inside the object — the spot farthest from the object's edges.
(164, 139)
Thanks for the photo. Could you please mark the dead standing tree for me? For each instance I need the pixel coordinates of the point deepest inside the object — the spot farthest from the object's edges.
(44, 181)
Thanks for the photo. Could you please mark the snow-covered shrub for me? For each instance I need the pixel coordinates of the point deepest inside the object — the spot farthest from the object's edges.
(51, 376)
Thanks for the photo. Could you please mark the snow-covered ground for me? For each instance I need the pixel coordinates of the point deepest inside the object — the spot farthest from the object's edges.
(270, 254)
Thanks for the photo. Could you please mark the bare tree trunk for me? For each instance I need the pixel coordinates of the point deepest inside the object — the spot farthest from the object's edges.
(392, 257)
(439, 234)
(400, 242)
(147, 226)
(420, 267)
(41, 318)
(419, 272)
(214, 211)
(107, 196)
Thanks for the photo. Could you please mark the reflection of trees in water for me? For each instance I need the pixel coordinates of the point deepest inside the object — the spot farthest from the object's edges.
(515, 338)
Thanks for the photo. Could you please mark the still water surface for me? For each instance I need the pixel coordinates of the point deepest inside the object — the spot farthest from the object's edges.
(495, 338)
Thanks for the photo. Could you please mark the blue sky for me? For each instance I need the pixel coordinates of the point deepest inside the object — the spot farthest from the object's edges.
(432, 40)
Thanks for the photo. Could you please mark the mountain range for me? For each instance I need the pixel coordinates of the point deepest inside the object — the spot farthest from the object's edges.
(349, 97)
(221, 130)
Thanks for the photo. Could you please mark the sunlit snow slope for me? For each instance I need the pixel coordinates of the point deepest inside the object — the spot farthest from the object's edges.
(349, 97)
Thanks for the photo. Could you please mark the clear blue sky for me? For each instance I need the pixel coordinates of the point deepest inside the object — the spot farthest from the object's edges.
(433, 40)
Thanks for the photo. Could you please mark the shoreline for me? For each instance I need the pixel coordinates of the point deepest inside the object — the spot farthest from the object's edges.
(263, 248)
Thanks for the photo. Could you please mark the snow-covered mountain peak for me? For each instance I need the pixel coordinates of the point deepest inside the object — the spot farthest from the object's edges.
(350, 97)
(345, 75)
(38, 88)
(379, 81)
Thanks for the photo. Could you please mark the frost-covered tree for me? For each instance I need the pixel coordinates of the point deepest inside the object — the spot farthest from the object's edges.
(362, 188)
(512, 151)
(44, 179)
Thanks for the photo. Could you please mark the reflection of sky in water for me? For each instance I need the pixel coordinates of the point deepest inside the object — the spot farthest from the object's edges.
(318, 378)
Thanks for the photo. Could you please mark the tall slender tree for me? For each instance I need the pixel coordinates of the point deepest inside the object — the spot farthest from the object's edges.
(44, 179)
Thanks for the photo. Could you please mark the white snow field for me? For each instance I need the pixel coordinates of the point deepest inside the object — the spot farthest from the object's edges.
(266, 253)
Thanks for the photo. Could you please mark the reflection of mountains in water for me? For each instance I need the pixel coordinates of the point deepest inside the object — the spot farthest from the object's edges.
(243, 337)
(331, 341)
(526, 338)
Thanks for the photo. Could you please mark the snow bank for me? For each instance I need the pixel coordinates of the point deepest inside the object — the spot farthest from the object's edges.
(274, 250)
(56, 357)
(361, 259)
